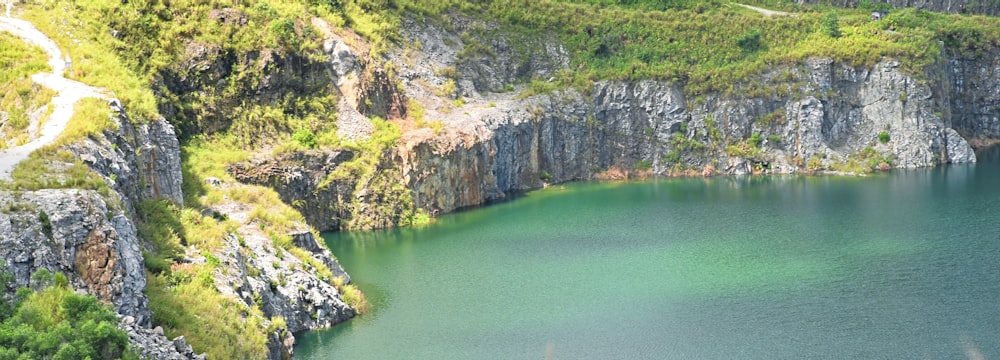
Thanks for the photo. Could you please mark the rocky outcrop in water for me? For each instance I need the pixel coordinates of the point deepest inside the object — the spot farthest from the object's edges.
(284, 281)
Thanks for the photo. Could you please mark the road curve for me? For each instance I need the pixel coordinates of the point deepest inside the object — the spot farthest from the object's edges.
(68, 92)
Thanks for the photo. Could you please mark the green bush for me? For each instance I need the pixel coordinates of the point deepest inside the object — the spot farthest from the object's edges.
(43, 218)
(305, 138)
(750, 42)
(883, 137)
(831, 25)
(756, 139)
(54, 322)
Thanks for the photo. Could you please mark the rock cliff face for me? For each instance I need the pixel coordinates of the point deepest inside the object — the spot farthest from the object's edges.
(282, 285)
(140, 161)
(817, 114)
(96, 246)
(974, 88)
(948, 6)
(77, 233)
(299, 179)
(91, 238)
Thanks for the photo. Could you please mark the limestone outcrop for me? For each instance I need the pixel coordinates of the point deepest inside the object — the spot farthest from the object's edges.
(819, 113)
(75, 232)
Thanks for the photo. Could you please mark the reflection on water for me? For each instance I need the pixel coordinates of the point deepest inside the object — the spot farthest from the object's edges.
(898, 265)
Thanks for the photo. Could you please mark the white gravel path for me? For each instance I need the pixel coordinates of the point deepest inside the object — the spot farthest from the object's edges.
(68, 93)
(766, 12)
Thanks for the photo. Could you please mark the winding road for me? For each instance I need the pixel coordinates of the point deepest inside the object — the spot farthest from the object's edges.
(68, 92)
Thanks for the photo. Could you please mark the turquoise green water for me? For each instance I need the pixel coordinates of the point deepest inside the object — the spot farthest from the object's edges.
(892, 266)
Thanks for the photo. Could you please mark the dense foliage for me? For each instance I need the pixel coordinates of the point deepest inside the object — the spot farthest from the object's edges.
(50, 321)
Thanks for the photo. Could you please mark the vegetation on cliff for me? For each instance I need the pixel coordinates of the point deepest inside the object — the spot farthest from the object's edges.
(50, 321)
(709, 46)
(133, 49)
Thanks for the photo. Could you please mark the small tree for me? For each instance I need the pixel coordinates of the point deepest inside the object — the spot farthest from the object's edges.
(883, 137)
(750, 42)
(831, 25)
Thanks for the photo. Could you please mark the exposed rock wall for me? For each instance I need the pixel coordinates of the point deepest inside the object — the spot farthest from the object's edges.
(201, 92)
(819, 110)
(97, 245)
(974, 88)
(140, 161)
(282, 285)
(300, 180)
(94, 245)
(817, 114)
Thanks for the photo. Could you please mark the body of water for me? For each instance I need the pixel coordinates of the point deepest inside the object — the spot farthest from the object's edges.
(893, 266)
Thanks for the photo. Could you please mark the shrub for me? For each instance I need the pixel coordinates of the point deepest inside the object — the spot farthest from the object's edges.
(53, 322)
(644, 165)
(883, 137)
(756, 139)
(831, 25)
(545, 176)
(43, 218)
(750, 42)
(354, 297)
(448, 89)
(305, 138)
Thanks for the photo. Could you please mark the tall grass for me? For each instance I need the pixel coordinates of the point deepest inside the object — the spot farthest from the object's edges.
(185, 303)
(91, 117)
(19, 95)
(50, 168)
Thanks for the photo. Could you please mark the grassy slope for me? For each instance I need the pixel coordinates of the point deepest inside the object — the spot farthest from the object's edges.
(709, 45)
(18, 94)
